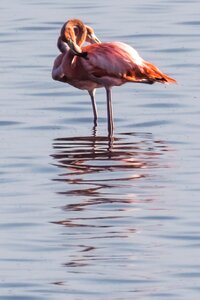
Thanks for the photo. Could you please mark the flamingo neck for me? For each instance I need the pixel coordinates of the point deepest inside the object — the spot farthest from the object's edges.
(62, 46)
(74, 30)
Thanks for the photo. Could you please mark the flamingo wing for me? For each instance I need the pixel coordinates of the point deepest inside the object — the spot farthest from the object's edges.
(110, 59)
(121, 61)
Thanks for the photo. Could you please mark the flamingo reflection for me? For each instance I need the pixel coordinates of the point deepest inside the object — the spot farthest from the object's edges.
(94, 166)
(103, 184)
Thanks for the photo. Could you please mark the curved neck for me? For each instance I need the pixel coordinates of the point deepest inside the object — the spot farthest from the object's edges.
(74, 30)
(62, 46)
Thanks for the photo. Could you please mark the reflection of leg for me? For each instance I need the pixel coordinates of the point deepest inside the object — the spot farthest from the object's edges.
(109, 111)
(94, 107)
(110, 143)
(94, 130)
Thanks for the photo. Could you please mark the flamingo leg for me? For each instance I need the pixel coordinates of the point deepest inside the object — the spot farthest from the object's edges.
(109, 111)
(94, 107)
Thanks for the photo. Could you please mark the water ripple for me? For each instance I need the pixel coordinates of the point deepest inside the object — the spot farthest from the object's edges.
(93, 166)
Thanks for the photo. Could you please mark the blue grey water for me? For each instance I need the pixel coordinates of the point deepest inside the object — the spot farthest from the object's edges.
(83, 217)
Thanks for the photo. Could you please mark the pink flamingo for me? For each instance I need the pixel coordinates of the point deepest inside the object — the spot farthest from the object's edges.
(100, 65)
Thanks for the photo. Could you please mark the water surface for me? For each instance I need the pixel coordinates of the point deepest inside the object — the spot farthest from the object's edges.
(82, 216)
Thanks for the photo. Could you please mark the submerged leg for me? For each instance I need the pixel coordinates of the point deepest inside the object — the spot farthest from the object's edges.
(94, 107)
(109, 111)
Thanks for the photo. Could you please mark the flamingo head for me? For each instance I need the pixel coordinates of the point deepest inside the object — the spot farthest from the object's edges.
(91, 37)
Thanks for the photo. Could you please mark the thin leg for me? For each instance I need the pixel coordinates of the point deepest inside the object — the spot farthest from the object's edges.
(94, 107)
(109, 111)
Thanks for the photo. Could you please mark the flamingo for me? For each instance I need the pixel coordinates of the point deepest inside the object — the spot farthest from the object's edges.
(100, 65)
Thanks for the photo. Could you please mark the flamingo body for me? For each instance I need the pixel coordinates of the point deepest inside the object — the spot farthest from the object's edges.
(107, 65)
(113, 64)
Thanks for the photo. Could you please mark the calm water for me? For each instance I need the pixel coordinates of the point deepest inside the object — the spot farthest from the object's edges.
(86, 218)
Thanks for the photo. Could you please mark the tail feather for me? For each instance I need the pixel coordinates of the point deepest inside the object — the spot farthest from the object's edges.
(147, 73)
(154, 74)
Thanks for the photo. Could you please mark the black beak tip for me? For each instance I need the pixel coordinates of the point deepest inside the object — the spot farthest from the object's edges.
(84, 55)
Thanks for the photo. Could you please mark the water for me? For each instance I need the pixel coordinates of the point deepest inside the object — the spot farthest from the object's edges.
(83, 217)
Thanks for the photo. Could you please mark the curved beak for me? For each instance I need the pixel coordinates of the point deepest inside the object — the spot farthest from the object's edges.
(76, 49)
